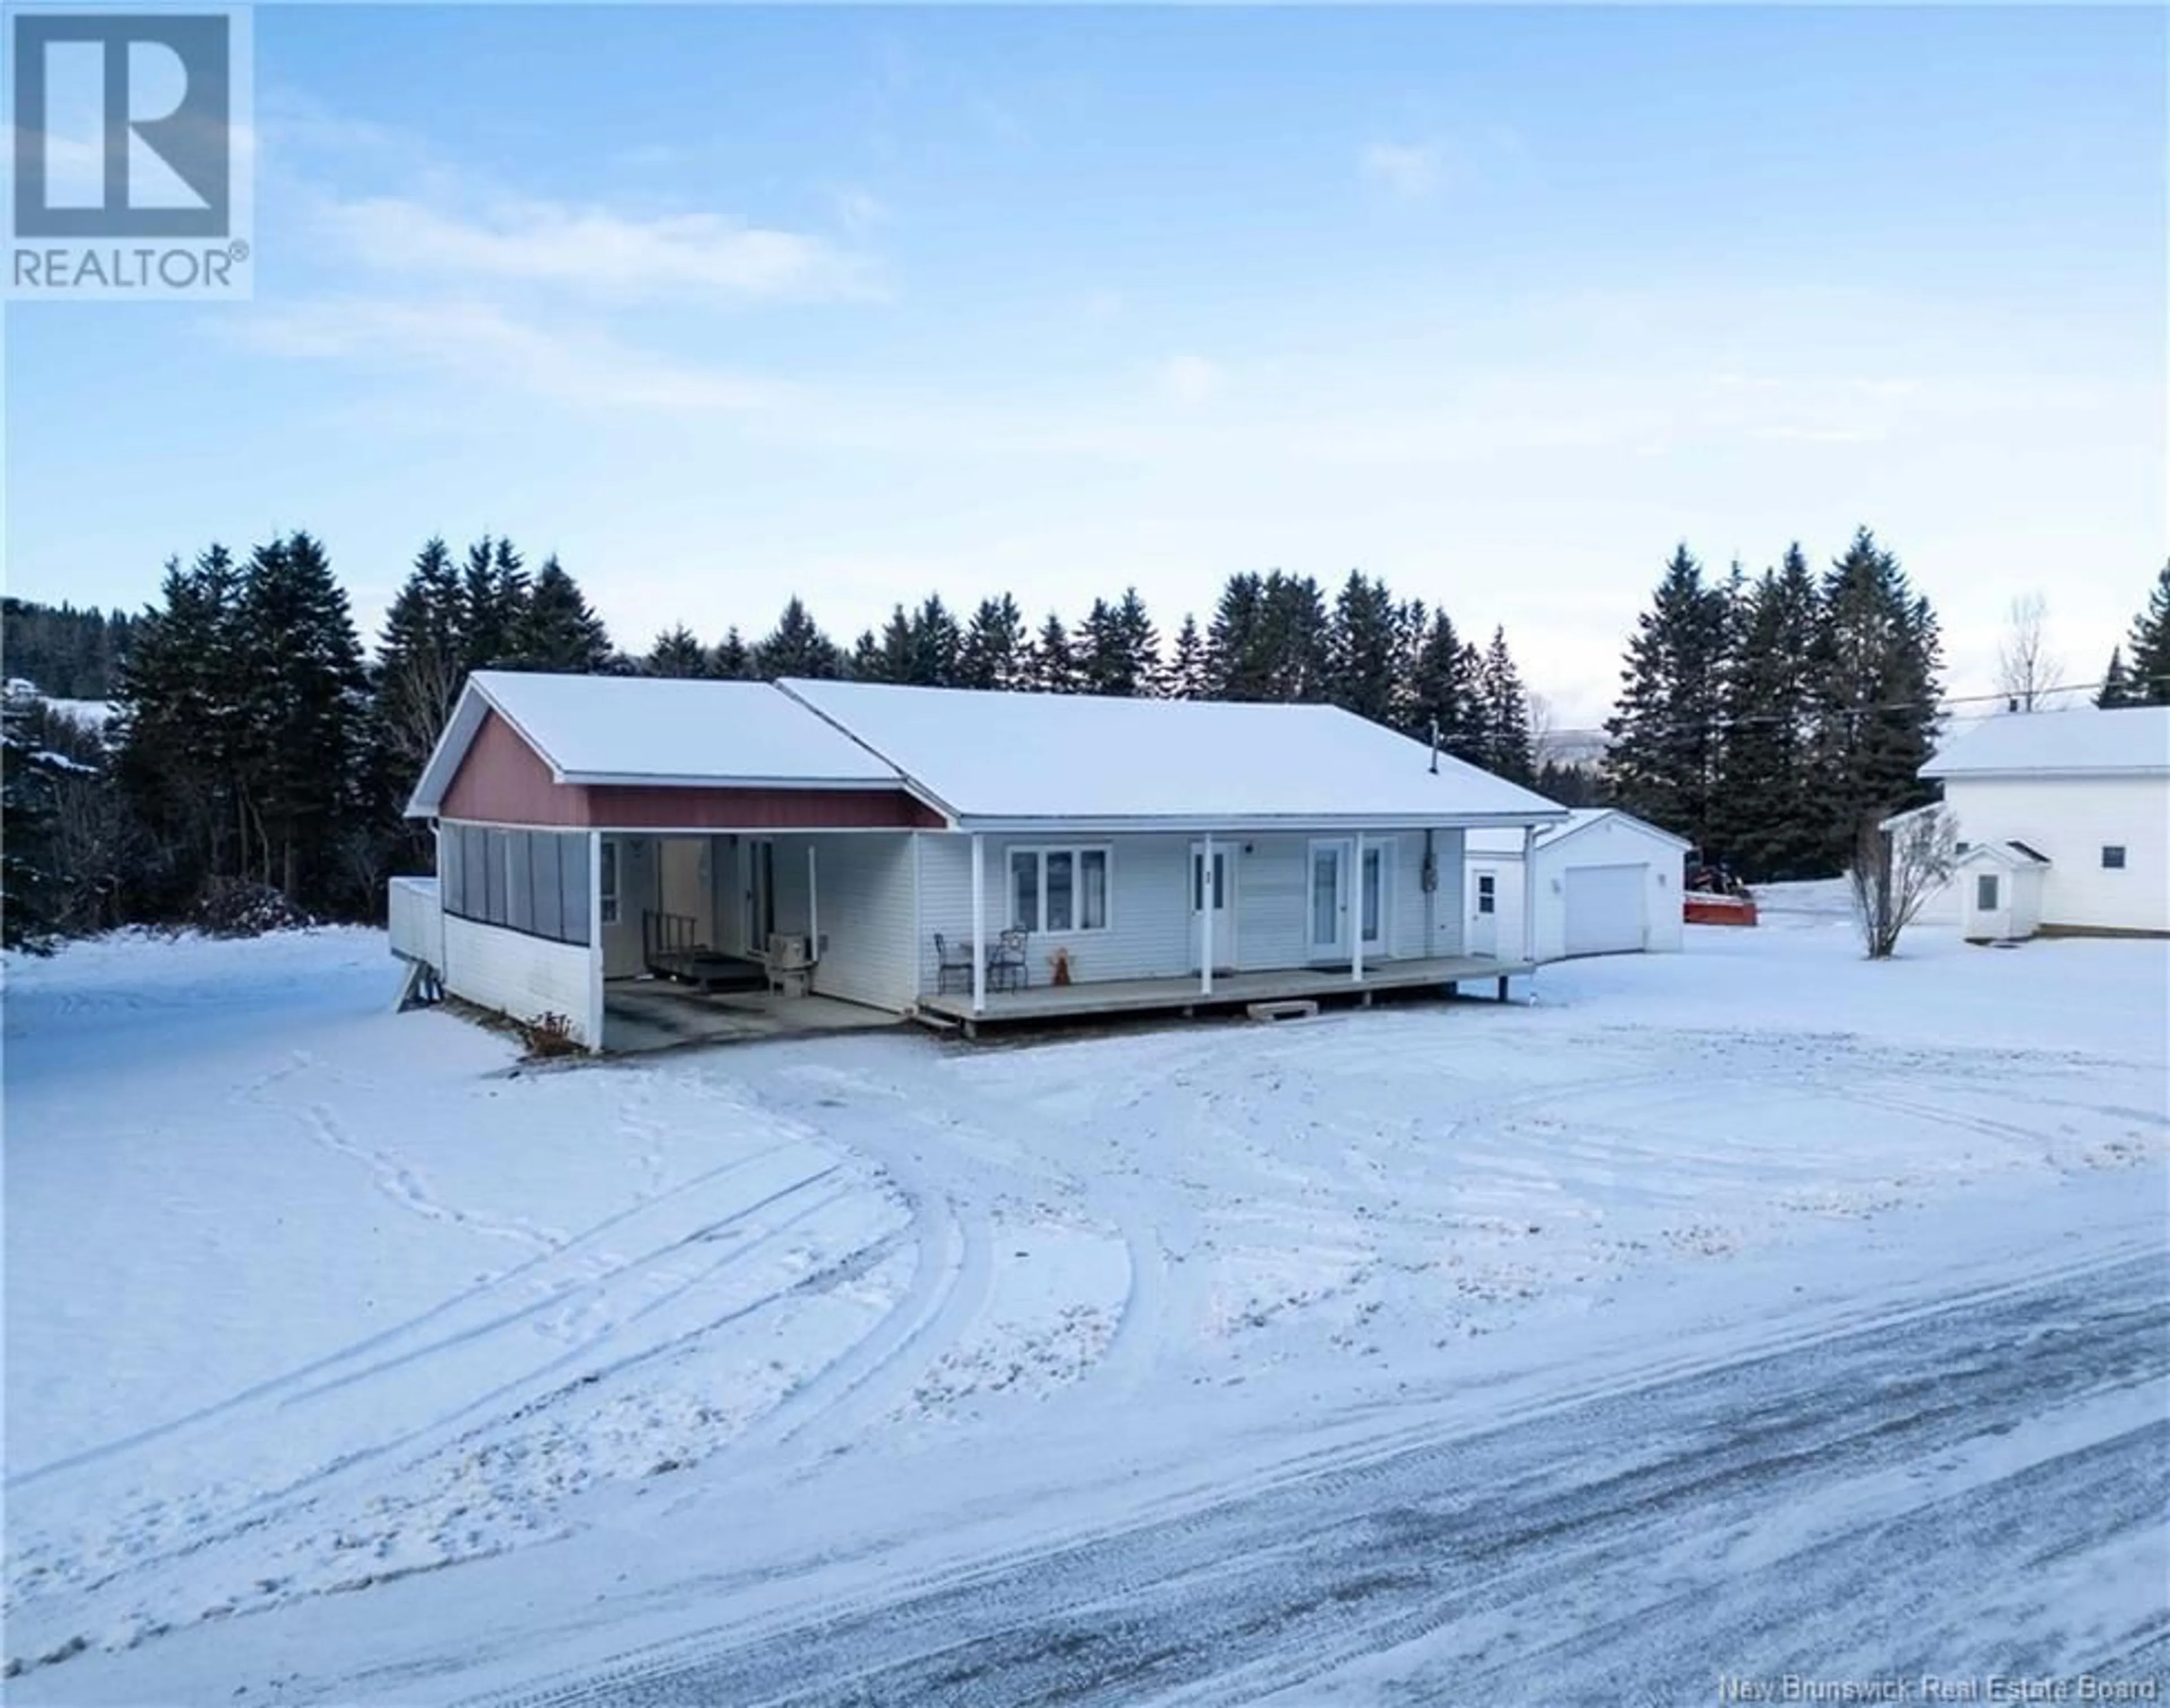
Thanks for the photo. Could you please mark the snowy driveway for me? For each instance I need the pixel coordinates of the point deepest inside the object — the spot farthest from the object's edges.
(1872, 1505)
(329, 1339)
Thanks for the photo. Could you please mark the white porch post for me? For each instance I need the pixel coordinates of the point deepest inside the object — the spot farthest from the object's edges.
(812, 913)
(1356, 915)
(594, 940)
(1529, 893)
(1209, 893)
(979, 923)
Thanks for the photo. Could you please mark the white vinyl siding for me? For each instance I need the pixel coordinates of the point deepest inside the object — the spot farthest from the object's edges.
(2071, 821)
(517, 974)
(1613, 841)
(862, 913)
(1150, 933)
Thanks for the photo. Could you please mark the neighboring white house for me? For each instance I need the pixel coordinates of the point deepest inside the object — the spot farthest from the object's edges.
(2063, 819)
(1607, 883)
(1168, 854)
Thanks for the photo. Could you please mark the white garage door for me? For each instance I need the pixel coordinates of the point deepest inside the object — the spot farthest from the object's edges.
(1604, 909)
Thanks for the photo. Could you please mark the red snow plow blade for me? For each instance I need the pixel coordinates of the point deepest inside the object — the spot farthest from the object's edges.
(1702, 908)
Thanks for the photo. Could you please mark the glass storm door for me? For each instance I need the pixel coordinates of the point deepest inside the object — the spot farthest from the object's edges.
(1221, 889)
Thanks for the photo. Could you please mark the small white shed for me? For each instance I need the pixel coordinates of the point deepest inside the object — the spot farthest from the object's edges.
(2000, 891)
(1607, 883)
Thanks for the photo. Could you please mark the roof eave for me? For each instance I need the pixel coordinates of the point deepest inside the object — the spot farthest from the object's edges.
(1065, 824)
(639, 780)
(2005, 774)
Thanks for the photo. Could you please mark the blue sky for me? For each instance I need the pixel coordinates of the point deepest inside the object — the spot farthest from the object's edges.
(722, 303)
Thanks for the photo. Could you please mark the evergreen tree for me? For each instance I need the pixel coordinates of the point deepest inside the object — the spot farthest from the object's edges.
(1442, 693)
(797, 647)
(1667, 737)
(1054, 662)
(493, 594)
(732, 660)
(1239, 666)
(900, 647)
(868, 662)
(179, 734)
(1185, 677)
(1141, 638)
(935, 643)
(32, 886)
(1505, 708)
(2116, 683)
(1295, 626)
(1766, 817)
(1364, 650)
(993, 655)
(2147, 648)
(1571, 785)
(302, 715)
(1118, 648)
(556, 629)
(420, 661)
(1876, 665)
(677, 651)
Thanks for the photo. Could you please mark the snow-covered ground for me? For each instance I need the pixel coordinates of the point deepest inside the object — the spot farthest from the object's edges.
(344, 1357)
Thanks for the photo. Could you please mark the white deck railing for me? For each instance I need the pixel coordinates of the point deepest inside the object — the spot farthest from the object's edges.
(417, 922)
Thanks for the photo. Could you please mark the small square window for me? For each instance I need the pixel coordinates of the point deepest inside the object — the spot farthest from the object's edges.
(2114, 857)
(1961, 847)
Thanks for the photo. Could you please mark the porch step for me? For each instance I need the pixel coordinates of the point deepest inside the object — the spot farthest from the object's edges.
(1288, 1008)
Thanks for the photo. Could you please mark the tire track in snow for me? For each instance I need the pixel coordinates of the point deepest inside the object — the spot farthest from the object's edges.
(277, 1387)
(1552, 1523)
(950, 1286)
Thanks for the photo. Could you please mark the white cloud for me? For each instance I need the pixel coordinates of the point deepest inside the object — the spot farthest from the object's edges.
(481, 341)
(594, 249)
(1190, 379)
(1411, 170)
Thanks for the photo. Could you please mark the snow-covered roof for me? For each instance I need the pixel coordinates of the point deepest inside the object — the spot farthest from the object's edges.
(1026, 761)
(1493, 843)
(653, 731)
(2131, 739)
(2013, 856)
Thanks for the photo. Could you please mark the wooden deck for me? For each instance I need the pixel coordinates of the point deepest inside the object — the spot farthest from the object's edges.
(1231, 990)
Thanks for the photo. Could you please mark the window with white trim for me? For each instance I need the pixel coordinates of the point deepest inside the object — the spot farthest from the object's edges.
(2113, 856)
(1060, 890)
(1487, 894)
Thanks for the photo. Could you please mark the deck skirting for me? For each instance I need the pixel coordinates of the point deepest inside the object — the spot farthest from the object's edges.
(1231, 990)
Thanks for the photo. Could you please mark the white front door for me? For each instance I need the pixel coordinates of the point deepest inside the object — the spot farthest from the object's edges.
(1326, 901)
(1483, 934)
(1374, 896)
(758, 855)
(1222, 887)
(1331, 906)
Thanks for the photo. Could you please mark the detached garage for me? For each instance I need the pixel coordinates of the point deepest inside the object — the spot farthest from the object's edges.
(1606, 884)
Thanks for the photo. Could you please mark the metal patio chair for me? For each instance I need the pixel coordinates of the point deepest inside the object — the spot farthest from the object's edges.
(1007, 967)
(952, 961)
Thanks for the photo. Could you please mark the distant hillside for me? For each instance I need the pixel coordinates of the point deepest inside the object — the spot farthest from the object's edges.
(70, 654)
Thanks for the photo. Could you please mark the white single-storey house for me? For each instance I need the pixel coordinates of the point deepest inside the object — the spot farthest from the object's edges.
(1606, 883)
(963, 857)
(2063, 821)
